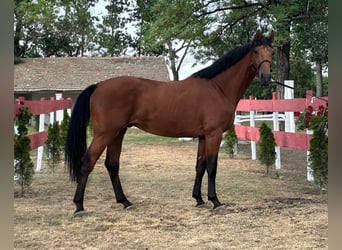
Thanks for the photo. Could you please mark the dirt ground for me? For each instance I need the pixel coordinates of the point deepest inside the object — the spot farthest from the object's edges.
(261, 212)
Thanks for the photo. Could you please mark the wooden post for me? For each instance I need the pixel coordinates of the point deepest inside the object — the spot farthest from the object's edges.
(52, 113)
(69, 109)
(252, 124)
(309, 174)
(40, 149)
(59, 113)
(289, 116)
(276, 128)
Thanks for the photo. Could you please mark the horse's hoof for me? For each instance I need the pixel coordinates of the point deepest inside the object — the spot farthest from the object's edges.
(129, 207)
(80, 213)
(202, 205)
(220, 208)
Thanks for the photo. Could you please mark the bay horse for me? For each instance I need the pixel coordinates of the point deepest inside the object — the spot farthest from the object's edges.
(201, 106)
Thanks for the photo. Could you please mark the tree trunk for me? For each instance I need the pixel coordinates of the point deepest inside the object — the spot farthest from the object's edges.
(18, 50)
(172, 57)
(283, 66)
(319, 79)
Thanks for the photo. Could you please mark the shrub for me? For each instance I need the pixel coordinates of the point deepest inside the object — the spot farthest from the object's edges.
(230, 141)
(64, 129)
(266, 152)
(318, 152)
(53, 145)
(23, 166)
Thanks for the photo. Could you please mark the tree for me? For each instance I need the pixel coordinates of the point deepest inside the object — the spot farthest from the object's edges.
(112, 34)
(318, 155)
(53, 145)
(57, 27)
(230, 141)
(23, 166)
(31, 19)
(64, 129)
(170, 27)
(283, 13)
(81, 25)
(311, 37)
(266, 144)
(302, 75)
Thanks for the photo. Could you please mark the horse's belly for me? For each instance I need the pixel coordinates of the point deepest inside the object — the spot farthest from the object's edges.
(170, 126)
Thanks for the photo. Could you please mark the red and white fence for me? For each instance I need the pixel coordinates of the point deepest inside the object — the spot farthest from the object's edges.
(282, 109)
(54, 108)
(288, 138)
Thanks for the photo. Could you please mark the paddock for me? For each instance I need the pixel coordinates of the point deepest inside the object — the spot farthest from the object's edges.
(282, 212)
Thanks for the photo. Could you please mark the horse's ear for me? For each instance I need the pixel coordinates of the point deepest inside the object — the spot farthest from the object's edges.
(271, 36)
(257, 35)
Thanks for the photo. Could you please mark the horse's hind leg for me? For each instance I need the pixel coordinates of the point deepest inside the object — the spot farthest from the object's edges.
(89, 159)
(112, 164)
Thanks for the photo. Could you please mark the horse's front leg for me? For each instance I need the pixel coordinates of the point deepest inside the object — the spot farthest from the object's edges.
(200, 170)
(212, 146)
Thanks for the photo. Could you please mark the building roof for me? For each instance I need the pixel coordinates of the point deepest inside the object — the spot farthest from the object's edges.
(76, 73)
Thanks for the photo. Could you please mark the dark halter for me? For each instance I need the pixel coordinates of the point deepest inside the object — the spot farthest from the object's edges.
(263, 61)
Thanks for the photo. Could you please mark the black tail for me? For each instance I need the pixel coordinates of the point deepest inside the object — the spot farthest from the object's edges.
(76, 141)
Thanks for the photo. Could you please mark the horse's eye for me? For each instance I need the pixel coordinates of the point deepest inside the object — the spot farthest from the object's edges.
(255, 52)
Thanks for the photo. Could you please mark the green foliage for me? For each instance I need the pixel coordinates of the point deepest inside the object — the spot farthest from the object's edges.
(318, 158)
(23, 166)
(36, 122)
(302, 74)
(59, 28)
(53, 145)
(260, 92)
(230, 141)
(318, 152)
(207, 29)
(266, 152)
(112, 35)
(18, 60)
(309, 119)
(64, 129)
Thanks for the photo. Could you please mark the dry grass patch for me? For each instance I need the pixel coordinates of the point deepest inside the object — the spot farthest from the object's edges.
(261, 212)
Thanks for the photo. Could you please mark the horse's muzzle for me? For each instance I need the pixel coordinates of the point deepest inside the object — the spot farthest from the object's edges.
(265, 78)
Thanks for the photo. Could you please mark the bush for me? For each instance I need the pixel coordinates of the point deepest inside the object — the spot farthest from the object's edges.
(318, 152)
(266, 152)
(230, 141)
(23, 167)
(64, 128)
(53, 145)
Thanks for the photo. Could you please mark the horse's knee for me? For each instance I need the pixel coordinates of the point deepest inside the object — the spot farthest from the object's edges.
(112, 167)
(87, 165)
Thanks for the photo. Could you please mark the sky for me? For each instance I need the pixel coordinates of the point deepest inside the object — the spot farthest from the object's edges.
(186, 68)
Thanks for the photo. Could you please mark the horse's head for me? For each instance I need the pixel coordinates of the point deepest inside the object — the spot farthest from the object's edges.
(262, 56)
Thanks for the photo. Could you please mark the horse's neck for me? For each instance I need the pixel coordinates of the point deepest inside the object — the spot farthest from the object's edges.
(235, 80)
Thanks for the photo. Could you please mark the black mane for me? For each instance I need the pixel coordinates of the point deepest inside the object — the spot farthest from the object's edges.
(229, 59)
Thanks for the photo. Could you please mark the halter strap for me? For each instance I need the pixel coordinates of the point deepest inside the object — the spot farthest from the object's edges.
(263, 61)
